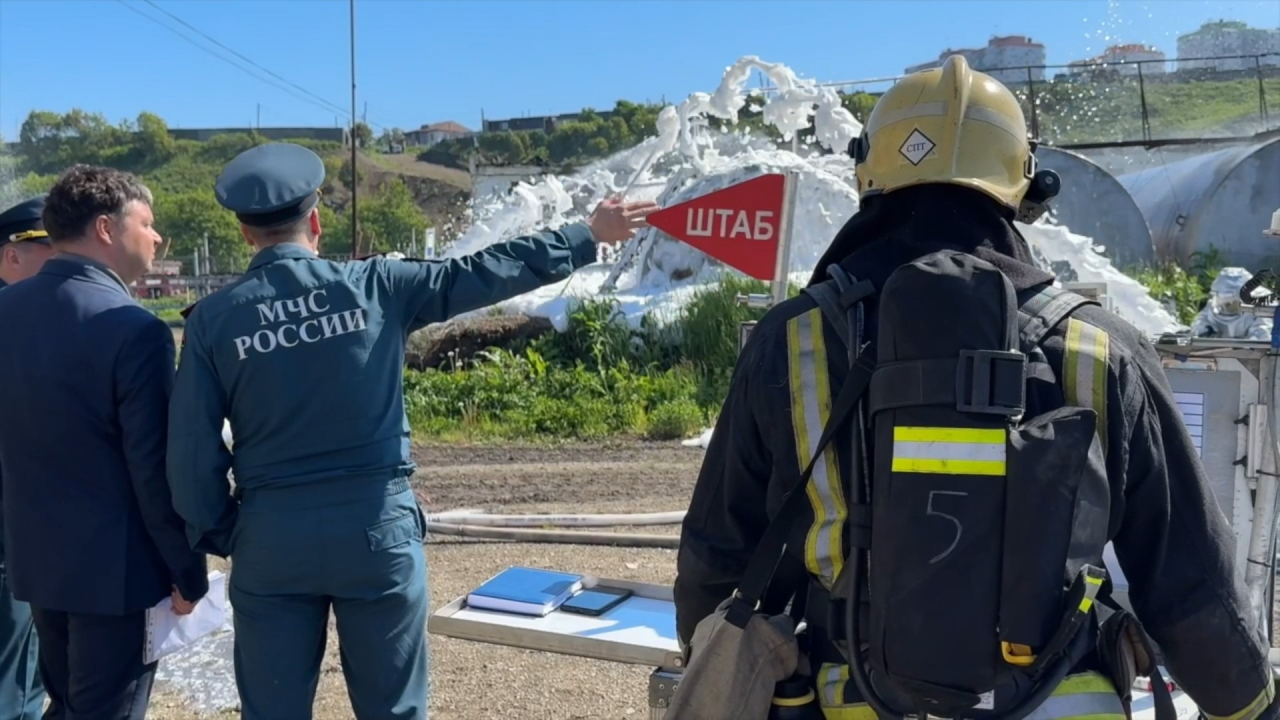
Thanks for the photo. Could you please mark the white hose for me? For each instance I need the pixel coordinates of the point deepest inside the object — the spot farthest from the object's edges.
(552, 536)
(575, 520)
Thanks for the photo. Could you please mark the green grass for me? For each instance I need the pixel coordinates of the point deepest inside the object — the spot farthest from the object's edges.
(1186, 289)
(600, 378)
(1092, 112)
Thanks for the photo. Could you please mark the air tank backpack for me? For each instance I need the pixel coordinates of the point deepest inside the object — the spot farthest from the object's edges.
(979, 531)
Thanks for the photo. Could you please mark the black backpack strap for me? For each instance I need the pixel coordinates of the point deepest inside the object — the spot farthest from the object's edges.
(1164, 707)
(1038, 315)
(839, 299)
(1042, 312)
(769, 553)
(828, 298)
(764, 562)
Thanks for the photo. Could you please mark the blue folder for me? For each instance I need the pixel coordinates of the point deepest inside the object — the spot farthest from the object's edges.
(525, 591)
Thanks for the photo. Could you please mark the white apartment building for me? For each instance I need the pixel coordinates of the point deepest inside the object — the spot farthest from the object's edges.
(1228, 37)
(996, 59)
(1123, 59)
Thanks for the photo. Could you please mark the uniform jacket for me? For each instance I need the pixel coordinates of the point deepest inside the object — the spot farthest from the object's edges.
(3, 285)
(305, 358)
(89, 523)
(1171, 539)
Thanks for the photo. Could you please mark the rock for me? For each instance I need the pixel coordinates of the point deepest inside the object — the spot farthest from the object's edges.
(464, 338)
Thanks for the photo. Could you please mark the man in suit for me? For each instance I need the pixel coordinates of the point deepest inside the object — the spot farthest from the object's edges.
(24, 246)
(91, 535)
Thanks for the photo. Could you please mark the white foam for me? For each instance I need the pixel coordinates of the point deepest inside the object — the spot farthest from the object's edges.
(683, 161)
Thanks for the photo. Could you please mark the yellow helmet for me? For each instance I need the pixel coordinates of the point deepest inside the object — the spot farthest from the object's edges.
(957, 126)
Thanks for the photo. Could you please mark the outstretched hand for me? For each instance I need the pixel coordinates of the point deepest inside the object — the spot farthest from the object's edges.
(614, 221)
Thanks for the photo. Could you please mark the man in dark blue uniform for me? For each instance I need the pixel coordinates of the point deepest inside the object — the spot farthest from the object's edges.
(24, 246)
(304, 357)
(91, 537)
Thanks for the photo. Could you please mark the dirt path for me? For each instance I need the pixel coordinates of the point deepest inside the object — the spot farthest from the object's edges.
(409, 164)
(478, 681)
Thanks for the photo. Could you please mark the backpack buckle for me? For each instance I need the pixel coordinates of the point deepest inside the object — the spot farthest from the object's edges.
(991, 382)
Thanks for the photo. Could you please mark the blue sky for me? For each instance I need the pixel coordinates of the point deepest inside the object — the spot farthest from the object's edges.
(421, 61)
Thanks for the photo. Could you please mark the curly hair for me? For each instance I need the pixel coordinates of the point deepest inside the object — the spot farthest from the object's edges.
(84, 192)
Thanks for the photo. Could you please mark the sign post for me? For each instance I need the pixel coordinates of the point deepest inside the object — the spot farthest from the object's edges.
(747, 226)
(782, 269)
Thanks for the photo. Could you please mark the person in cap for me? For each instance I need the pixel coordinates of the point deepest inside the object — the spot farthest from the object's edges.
(24, 246)
(304, 357)
(91, 536)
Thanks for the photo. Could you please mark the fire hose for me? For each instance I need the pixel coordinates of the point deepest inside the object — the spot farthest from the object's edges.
(472, 517)
(516, 528)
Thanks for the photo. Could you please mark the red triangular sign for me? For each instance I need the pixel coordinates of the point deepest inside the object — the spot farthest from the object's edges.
(737, 225)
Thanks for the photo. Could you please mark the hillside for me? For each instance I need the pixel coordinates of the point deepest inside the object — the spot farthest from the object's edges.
(1066, 112)
(394, 204)
(1110, 111)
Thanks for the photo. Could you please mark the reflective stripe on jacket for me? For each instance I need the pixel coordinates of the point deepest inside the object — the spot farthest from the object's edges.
(1085, 695)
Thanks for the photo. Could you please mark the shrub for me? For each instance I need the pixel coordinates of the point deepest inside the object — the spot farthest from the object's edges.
(674, 420)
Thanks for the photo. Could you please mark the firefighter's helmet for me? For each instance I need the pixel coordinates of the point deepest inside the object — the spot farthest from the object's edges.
(956, 126)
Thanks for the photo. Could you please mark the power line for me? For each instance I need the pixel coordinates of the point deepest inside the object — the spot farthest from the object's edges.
(226, 60)
(206, 36)
(313, 99)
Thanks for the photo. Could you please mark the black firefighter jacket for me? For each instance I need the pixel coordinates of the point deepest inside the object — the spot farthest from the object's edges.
(1172, 541)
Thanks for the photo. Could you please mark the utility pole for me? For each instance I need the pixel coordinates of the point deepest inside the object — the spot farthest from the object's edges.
(258, 124)
(355, 176)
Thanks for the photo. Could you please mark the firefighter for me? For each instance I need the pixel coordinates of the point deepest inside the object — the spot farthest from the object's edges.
(945, 163)
(1225, 316)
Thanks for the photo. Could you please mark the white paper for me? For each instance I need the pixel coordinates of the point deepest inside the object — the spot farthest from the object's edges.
(167, 632)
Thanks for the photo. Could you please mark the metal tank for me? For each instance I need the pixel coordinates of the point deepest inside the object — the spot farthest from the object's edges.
(1094, 204)
(1217, 200)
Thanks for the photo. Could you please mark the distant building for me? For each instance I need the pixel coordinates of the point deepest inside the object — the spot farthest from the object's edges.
(334, 134)
(1228, 37)
(998, 59)
(1123, 60)
(429, 135)
(545, 123)
(162, 281)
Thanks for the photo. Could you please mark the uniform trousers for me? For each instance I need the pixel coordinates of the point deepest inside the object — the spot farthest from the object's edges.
(350, 545)
(92, 665)
(21, 691)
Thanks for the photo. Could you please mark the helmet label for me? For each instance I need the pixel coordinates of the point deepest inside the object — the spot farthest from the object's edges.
(916, 147)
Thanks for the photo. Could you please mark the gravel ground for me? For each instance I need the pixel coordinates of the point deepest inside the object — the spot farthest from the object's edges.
(474, 681)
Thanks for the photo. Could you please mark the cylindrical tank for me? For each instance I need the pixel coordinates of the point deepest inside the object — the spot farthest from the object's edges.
(1219, 200)
(1094, 204)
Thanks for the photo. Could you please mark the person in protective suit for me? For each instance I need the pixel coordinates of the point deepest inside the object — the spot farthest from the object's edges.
(1224, 315)
(945, 163)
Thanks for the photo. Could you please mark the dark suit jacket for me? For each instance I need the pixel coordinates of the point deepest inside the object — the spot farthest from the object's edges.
(85, 378)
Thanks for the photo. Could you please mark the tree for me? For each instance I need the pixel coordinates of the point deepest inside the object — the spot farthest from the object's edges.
(390, 218)
(363, 134)
(154, 143)
(185, 218)
(859, 105)
(508, 148)
(335, 231)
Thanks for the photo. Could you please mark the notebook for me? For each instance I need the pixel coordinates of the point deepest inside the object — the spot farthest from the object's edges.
(525, 591)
